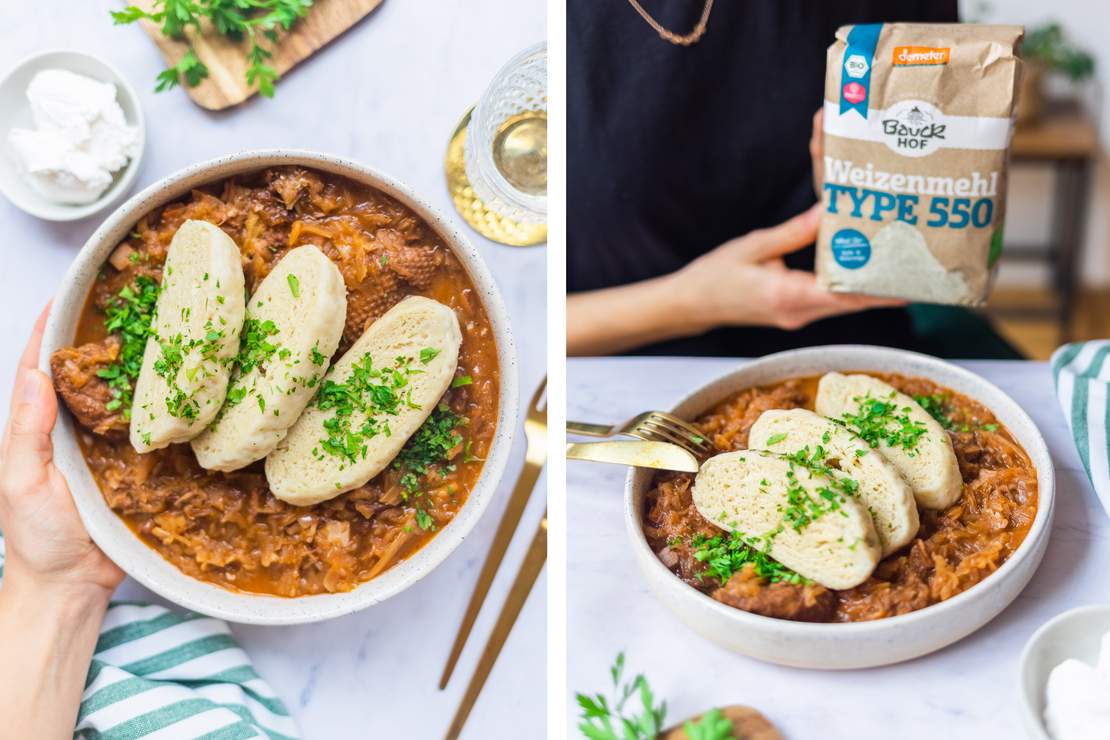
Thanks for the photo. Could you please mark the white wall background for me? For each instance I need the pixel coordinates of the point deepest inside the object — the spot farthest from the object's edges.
(1028, 211)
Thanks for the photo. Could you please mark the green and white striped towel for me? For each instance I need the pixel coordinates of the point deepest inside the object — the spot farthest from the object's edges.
(159, 674)
(1082, 376)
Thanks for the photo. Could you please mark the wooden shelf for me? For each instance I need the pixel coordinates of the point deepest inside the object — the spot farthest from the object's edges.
(1060, 133)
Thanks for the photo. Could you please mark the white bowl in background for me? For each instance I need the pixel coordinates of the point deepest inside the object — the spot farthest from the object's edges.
(1076, 633)
(144, 564)
(15, 112)
(857, 644)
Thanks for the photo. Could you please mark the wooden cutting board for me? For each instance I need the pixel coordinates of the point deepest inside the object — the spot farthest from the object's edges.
(747, 723)
(226, 84)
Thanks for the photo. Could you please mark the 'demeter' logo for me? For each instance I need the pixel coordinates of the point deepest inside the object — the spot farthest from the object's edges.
(913, 128)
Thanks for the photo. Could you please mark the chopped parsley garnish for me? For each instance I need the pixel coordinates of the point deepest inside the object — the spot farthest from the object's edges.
(172, 360)
(462, 380)
(318, 357)
(128, 315)
(436, 443)
(255, 349)
(774, 439)
(294, 285)
(428, 354)
(817, 462)
(725, 554)
(370, 392)
(425, 521)
(803, 508)
(939, 408)
(877, 420)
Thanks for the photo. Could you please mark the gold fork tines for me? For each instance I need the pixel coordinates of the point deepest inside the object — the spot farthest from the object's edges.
(652, 426)
(535, 431)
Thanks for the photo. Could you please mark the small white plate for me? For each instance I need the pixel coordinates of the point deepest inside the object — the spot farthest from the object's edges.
(1074, 634)
(15, 112)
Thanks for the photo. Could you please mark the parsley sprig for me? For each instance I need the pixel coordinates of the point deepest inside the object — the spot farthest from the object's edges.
(261, 22)
(128, 315)
(605, 719)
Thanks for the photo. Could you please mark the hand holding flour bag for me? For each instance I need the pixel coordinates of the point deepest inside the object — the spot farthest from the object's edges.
(917, 125)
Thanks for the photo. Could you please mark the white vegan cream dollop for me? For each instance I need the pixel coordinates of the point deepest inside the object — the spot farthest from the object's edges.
(80, 137)
(1078, 698)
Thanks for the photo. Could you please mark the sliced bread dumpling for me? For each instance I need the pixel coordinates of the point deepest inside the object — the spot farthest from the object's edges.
(882, 489)
(198, 317)
(372, 400)
(897, 426)
(294, 322)
(803, 519)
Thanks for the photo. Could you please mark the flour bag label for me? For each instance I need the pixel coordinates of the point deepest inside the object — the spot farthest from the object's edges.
(917, 126)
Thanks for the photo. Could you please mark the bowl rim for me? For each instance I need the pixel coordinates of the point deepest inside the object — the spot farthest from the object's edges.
(1045, 505)
(1032, 719)
(122, 182)
(248, 607)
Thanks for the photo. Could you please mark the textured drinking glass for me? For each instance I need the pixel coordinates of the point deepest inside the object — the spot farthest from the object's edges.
(497, 159)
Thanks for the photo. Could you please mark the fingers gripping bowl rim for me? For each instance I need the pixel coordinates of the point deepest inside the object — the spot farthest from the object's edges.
(148, 567)
(855, 644)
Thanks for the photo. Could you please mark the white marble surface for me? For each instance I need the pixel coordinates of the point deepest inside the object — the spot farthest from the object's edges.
(388, 93)
(968, 690)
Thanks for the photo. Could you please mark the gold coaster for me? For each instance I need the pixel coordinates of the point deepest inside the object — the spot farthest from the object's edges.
(485, 221)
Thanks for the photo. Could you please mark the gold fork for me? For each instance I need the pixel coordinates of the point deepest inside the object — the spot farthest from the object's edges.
(652, 426)
(535, 431)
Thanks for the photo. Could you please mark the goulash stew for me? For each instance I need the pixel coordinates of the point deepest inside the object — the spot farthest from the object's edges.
(955, 548)
(227, 528)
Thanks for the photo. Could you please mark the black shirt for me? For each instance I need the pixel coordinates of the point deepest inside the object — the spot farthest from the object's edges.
(674, 150)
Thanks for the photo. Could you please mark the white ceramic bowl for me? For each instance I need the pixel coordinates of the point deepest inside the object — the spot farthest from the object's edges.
(147, 566)
(15, 112)
(1074, 634)
(859, 644)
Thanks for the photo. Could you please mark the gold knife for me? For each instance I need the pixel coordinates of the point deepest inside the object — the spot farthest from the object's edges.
(514, 602)
(638, 454)
(535, 430)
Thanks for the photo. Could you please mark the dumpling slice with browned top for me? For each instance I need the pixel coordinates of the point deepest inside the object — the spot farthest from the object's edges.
(896, 426)
(372, 400)
(805, 520)
(294, 322)
(822, 442)
(187, 363)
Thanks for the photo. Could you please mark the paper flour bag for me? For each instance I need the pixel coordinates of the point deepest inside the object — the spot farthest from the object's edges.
(917, 126)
